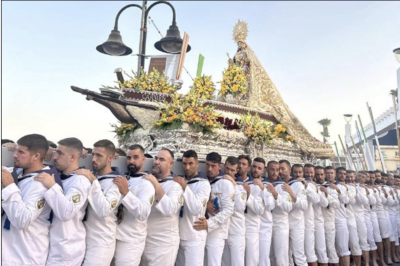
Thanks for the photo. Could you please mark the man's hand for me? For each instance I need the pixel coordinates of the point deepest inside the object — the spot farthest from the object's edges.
(211, 208)
(333, 186)
(247, 188)
(122, 184)
(258, 182)
(10, 146)
(302, 180)
(181, 181)
(315, 184)
(201, 224)
(49, 154)
(153, 180)
(116, 155)
(384, 192)
(289, 190)
(87, 173)
(84, 153)
(229, 178)
(47, 180)
(324, 190)
(6, 177)
(272, 190)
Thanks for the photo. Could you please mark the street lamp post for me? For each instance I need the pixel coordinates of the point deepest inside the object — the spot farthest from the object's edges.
(171, 43)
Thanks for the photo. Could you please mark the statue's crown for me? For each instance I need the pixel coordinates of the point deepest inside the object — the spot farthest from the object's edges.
(240, 31)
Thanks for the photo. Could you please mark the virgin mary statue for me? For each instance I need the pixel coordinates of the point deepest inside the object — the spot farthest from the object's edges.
(264, 96)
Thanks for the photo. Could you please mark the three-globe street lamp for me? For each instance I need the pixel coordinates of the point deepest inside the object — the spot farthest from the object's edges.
(171, 43)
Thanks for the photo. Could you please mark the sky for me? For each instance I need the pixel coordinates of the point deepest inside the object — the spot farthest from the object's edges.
(326, 58)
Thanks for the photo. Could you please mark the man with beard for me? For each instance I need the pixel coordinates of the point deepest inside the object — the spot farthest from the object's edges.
(342, 231)
(324, 199)
(234, 250)
(137, 199)
(376, 210)
(313, 198)
(266, 217)
(255, 208)
(196, 192)
(162, 241)
(355, 220)
(296, 216)
(392, 211)
(25, 214)
(329, 211)
(219, 211)
(280, 216)
(67, 232)
(101, 214)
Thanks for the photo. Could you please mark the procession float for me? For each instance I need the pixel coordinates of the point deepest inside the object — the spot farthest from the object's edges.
(246, 116)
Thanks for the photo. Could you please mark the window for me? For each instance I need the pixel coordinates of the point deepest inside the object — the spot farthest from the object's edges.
(396, 154)
(383, 154)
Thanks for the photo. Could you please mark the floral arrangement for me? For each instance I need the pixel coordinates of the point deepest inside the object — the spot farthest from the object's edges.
(203, 87)
(188, 109)
(154, 81)
(233, 81)
(123, 131)
(262, 131)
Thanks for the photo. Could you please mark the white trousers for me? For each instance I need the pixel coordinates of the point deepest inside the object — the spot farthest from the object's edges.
(252, 255)
(214, 250)
(74, 262)
(330, 234)
(320, 243)
(265, 246)
(394, 234)
(309, 245)
(375, 225)
(280, 249)
(362, 231)
(128, 253)
(296, 243)
(160, 254)
(354, 240)
(384, 224)
(233, 254)
(342, 239)
(191, 253)
(99, 256)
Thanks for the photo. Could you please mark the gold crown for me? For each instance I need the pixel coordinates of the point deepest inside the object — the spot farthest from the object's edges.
(240, 31)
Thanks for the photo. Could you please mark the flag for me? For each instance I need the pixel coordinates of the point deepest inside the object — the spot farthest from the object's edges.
(200, 65)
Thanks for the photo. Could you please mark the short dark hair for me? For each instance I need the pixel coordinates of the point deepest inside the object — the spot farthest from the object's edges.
(286, 162)
(52, 144)
(169, 151)
(377, 171)
(73, 143)
(308, 165)
(260, 160)
(107, 145)
(396, 176)
(190, 154)
(340, 168)
(214, 157)
(329, 167)
(371, 172)
(136, 147)
(350, 171)
(362, 172)
(384, 174)
(120, 151)
(272, 162)
(4, 141)
(89, 150)
(246, 157)
(35, 143)
(319, 167)
(297, 165)
(232, 160)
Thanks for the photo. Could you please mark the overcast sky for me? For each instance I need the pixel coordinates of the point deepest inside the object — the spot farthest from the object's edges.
(325, 58)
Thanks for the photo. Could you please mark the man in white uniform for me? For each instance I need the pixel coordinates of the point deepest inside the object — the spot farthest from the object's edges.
(255, 208)
(101, 215)
(25, 214)
(67, 232)
(196, 192)
(280, 230)
(137, 199)
(313, 198)
(266, 217)
(219, 211)
(162, 241)
(234, 250)
(324, 199)
(296, 216)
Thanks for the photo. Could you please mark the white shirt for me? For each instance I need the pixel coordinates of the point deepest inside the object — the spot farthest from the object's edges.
(352, 194)
(238, 221)
(341, 211)
(255, 208)
(195, 197)
(266, 217)
(296, 216)
(163, 222)
(67, 232)
(27, 240)
(136, 210)
(322, 204)
(283, 205)
(218, 225)
(333, 203)
(362, 201)
(101, 222)
(313, 198)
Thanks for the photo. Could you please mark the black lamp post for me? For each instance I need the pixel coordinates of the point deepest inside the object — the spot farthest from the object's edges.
(171, 43)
